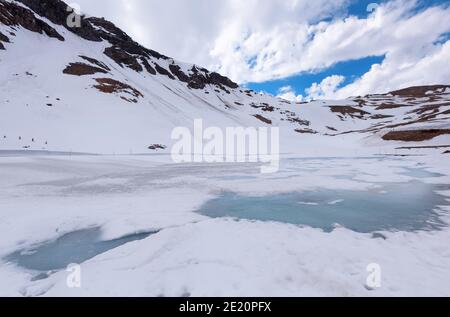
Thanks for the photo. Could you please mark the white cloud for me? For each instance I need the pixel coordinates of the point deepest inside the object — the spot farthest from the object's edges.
(326, 89)
(222, 35)
(395, 73)
(288, 93)
(260, 40)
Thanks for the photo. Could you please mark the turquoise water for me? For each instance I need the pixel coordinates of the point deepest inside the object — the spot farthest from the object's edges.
(74, 247)
(394, 207)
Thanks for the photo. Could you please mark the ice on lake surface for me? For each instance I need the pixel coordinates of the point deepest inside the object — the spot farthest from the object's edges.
(394, 207)
(316, 192)
(73, 247)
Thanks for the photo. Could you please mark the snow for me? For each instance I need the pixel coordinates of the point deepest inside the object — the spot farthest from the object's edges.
(43, 197)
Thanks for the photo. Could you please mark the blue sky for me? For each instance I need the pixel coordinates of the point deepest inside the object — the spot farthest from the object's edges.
(350, 69)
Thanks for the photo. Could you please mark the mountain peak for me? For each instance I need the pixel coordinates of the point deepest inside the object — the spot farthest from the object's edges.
(123, 49)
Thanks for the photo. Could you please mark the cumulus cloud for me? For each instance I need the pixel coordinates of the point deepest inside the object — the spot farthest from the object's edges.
(288, 93)
(249, 40)
(396, 72)
(261, 40)
(326, 89)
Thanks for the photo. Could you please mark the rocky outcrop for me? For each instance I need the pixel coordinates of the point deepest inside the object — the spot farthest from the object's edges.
(201, 77)
(95, 62)
(148, 67)
(163, 71)
(198, 78)
(14, 15)
(3, 38)
(81, 69)
(57, 12)
(263, 119)
(122, 58)
(156, 147)
(110, 86)
(176, 70)
(421, 91)
(415, 135)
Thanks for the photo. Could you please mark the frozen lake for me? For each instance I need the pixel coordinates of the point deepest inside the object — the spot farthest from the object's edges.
(47, 200)
(395, 207)
(74, 247)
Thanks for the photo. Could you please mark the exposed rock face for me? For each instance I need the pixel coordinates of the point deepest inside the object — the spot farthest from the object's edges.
(14, 15)
(217, 79)
(148, 67)
(3, 38)
(81, 69)
(421, 91)
(57, 12)
(156, 147)
(200, 77)
(176, 70)
(349, 111)
(415, 135)
(122, 58)
(306, 131)
(95, 62)
(263, 119)
(163, 71)
(109, 86)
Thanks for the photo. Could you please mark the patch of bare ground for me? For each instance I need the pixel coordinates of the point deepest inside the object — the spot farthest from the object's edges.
(3, 38)
(425, 110)
(423, 147)
(263, 119)
(420, 91)
(81, 69)
(263, 106)
(424, 118)
(156, 147)
(306, 131)
(360, 101)
(385, 106)
(95, 62)
(109, 86)
(381, 116)
(349, 111)
(446, 152)
(415, 135)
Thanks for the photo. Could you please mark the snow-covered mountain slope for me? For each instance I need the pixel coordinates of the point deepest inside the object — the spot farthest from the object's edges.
(93, 89)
